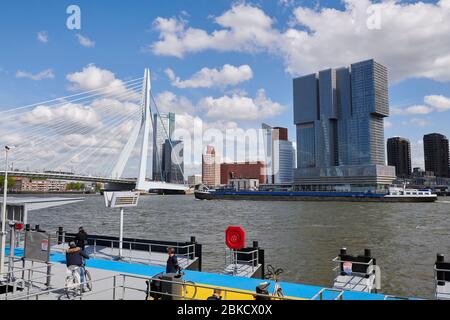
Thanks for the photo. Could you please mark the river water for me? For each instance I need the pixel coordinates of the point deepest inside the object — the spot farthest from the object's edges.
(300, 237)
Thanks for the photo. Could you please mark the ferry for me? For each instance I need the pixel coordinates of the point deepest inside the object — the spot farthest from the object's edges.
(392, 195)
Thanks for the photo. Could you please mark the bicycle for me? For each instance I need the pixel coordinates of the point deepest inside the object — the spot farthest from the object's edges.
(73, 281)
(274, 275)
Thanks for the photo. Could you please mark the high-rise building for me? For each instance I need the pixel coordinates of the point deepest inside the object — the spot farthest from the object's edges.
(173, 161)
(210, 167)
(339, 114)
(163, 128)
(244, 170)
(436, 151)
(399, 156)
(278, 152)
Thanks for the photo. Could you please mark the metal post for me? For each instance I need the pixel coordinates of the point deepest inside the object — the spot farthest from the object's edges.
(121, 234)
(114, 288)
(49, 273)
(12, 247)
(3, 232)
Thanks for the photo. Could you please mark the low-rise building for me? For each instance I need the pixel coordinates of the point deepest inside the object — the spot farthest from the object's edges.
(244, 184)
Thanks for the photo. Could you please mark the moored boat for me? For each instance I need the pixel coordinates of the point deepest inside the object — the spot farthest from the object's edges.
(393, 195)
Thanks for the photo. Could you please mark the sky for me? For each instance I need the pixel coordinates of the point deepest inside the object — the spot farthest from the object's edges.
(228, 63)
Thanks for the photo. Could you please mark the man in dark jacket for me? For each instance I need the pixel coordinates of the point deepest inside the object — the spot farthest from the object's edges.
(81, 238)
(74, 260)
(172, 262)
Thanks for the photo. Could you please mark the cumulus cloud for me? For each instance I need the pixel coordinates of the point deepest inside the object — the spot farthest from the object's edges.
(239, 107)
(42, 36)
(418, 109)
(94, 78)
(46, 74)
(439, 102)
(85, 41)
(206, 78)
(411, 38)
(72, 115)
(169, 102)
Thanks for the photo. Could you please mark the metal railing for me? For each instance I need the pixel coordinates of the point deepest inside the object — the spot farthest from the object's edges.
(26, 280)
(242, 267)
(443, 295)
(118, 290)
(188, 256)
(319, 294)
(360, 276)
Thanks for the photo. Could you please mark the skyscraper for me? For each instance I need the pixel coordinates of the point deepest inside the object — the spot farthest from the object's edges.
(278, 152)
(436, 151)
(210, 167)
(339, 114)
(173, 161)
(163, 128)
(399, 156)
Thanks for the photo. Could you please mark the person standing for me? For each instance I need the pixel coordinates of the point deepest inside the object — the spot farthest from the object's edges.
(81, 238)
(172, 265)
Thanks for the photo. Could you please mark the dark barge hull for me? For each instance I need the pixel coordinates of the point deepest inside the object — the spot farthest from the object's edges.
(278, 196)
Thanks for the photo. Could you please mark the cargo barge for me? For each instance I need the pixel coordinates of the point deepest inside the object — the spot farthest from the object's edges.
(393, 195)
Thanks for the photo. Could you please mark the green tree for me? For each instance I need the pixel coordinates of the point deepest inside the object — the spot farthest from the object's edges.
(75, 186)
(11, 182)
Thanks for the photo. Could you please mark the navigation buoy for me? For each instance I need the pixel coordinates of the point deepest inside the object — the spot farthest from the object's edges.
(235, 237)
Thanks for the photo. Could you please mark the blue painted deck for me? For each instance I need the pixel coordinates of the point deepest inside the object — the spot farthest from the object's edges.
(205, 278)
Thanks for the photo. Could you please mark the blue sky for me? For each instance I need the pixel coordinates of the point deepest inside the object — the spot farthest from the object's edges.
(286, 39)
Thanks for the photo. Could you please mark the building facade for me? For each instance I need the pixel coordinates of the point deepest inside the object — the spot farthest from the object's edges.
(436, 151)
(279, 152)
(30, 185)
(244, 184)
(339, 115)
(242, 170)
(194, 180)
(163, 128)
(210, 167)
(173, 161)
(399, 156)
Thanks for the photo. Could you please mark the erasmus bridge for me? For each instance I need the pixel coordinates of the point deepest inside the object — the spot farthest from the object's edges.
(99, 132)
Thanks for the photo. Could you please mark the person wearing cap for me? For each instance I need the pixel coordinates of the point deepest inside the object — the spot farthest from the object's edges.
(81, 238)
(74, 260)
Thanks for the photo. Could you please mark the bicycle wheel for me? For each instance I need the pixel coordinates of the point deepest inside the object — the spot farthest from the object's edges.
(87, 279)
(194, 288)
(71, 287)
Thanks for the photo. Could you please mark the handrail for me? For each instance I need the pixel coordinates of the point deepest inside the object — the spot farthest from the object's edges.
(123, 286)
(320, 293)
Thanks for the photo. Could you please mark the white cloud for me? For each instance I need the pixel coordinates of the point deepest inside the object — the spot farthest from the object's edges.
(42, 36)
(418, 109)
(417, 122)
(412, 40)
(245, 28)
(94, 78)
(72, 115)
(387, 124)
(46, 74)
(239, 107)
(206, 78)
(169, 102)
(441, 103)
(85, 41)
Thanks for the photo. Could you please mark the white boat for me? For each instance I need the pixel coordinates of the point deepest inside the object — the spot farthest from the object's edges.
(403, 193)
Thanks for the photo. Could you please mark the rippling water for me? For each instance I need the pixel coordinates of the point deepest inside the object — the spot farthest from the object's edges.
(300, 237)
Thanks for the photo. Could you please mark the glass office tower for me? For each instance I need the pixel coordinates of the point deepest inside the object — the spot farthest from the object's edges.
(163, 128)
(339, 114)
